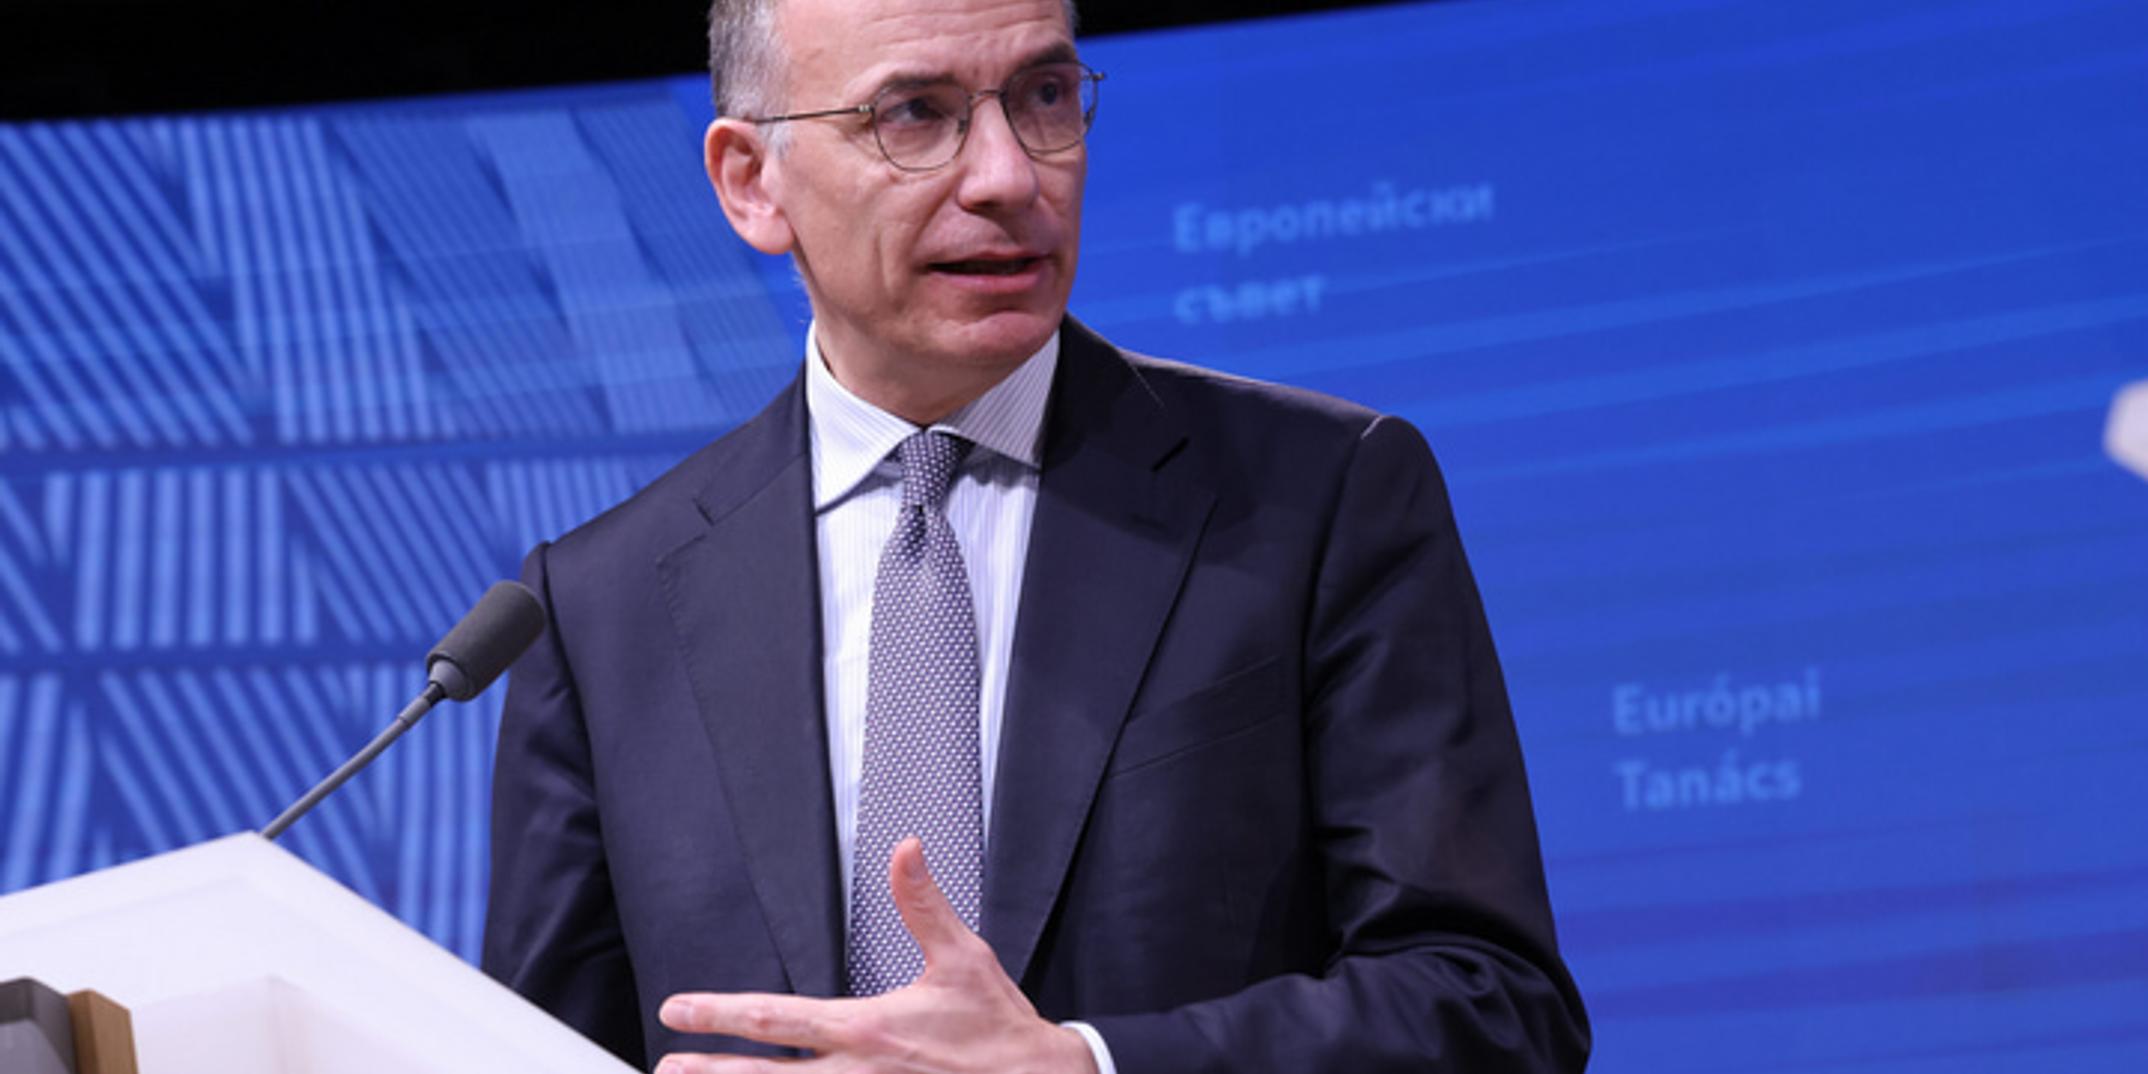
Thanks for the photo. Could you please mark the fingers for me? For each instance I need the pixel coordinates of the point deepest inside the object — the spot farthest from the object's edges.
(926, 913)
(689, 1063)
(791, 1021)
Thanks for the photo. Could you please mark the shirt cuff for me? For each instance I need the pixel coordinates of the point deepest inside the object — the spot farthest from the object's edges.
(1097, 1048)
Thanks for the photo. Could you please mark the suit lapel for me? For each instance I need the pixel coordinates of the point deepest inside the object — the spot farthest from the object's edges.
(744, 601)
(1115, 528)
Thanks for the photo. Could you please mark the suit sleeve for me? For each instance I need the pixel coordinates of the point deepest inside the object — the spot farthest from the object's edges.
(1443, 953)
(552, 930)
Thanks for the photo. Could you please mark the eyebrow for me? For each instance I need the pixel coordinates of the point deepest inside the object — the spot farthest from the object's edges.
(1056, 52)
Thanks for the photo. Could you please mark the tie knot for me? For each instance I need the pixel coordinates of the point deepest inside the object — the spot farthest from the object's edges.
(929, 461)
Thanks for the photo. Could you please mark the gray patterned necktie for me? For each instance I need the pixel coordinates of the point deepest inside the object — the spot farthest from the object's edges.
(921, 772)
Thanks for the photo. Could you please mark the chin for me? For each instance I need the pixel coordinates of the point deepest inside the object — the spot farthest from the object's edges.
(1003, 337)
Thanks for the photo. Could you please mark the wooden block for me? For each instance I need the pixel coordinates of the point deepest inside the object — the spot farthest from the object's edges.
(104, 1035)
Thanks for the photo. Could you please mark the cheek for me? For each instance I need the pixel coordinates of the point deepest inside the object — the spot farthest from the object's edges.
(1063, 189)
(858, 251)
(894, 231)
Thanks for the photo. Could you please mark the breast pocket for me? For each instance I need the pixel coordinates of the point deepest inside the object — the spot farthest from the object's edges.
(1233, 704)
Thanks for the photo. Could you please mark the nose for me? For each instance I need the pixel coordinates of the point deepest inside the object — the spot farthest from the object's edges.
(996, 171)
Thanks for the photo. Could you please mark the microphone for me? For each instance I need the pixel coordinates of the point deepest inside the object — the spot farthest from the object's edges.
(504, 622)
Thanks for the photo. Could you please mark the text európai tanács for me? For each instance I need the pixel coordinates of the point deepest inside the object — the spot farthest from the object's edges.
(1732, 721)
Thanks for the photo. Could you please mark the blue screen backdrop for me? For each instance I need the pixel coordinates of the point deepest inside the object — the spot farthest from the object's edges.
(1778, 356)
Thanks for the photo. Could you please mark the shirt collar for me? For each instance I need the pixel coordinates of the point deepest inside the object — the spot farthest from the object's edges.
(850, 436)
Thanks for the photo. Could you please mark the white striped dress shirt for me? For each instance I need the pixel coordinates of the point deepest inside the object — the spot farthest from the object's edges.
(857, 493)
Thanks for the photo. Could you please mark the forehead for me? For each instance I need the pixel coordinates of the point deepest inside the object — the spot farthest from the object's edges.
(853, 45)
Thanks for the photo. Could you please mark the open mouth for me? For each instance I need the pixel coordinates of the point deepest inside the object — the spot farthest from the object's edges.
(986, 266)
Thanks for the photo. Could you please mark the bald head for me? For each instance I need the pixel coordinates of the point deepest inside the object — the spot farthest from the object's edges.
(746, 59)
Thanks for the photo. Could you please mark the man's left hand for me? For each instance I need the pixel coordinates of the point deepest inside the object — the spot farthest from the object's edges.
(962, 1014)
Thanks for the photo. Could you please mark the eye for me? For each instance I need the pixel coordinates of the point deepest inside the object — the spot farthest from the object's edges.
(1047, 89)
(913, 108)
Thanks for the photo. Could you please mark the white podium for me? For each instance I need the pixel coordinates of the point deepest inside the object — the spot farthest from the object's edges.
(235, 957)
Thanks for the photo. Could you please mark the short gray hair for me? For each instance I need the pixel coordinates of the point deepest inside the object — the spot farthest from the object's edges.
(743, 57)
(744, 63)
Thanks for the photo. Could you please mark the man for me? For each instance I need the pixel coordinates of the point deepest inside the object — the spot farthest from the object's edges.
(1182, 679)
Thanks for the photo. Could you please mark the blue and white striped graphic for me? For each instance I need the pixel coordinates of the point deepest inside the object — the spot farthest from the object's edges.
(281, 395)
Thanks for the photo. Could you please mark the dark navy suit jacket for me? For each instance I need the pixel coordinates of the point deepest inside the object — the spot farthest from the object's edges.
(1259, 804)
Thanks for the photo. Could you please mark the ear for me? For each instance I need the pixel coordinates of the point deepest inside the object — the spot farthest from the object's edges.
(738, 156)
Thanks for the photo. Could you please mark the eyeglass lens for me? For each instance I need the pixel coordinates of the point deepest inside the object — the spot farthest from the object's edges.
(923, 126)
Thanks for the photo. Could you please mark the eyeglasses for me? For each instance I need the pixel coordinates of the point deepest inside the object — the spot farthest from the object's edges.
(923, 125)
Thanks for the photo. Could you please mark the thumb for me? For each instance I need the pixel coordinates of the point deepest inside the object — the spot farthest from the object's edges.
(926, 913)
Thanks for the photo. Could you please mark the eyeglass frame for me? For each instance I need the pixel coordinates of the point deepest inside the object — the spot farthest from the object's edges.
(969, 109)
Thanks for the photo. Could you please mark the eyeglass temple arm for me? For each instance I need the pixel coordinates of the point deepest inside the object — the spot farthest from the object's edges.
(853, 110)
